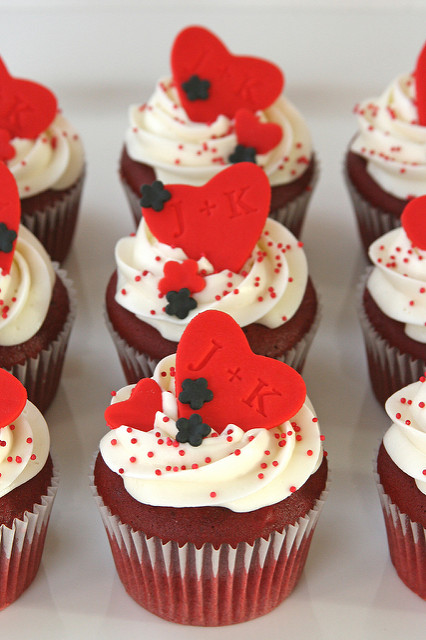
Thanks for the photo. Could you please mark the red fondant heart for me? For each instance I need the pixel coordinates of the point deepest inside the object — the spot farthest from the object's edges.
(248, 390)
(222, 220)
(413, 220)
(10, 216)
(420, 76)
(178, 275)
(13, 397)
(26, 108)
(263, 136)
(139, 410)
(235, 81)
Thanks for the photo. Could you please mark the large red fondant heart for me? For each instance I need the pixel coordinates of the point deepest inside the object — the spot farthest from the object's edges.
(26, 108)
(139, 410)
(221, 220)
(248, 390)
(13, 397)
(263, 136)
(10, 216)
(420, 77)
(235, 81)
(413, 220)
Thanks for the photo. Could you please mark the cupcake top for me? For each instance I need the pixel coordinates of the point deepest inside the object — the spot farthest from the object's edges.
(40, 147)
(24, 436)
(216, 425)
(210, 247)
(392, 134)
(217, 109)
(26, 272)
(405, 440)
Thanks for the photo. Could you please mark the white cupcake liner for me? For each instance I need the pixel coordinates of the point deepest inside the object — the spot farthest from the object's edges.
(41, 375)
(137, 365)
(389, 368)
(21, 546)
(292, 215)
(372, 222)
(207, 586)
(407, 542)
(55, 225)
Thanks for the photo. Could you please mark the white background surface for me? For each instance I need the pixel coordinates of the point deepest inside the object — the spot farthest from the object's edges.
(99, 57)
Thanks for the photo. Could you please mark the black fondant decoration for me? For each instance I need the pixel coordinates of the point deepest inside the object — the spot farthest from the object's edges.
(7, 238)
(243, 154)
(196, 88)
(154, 195)
(180, 303)
(192, 430)
(195, 393)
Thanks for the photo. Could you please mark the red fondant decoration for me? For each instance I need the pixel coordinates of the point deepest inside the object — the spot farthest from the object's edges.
(413, 220)
(263, 136)
(26, 108)
(235, 81)
(13, 397)
(178, 275)
(7, 151)
(420, 77)
(10, 216)
(248, 390)
(222, 220)
(139, 410)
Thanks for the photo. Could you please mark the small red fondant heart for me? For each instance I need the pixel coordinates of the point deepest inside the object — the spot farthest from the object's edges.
(10, 216)
(263, 136)
(413, 220)
(178, 275)
(420, 77)
(248, 390)
(13, 397)
(26, 108)
(221, 220)
(139, 410)
(7, 151)
(235, 82)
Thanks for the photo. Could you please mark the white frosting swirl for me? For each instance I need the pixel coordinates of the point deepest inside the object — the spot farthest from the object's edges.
(53, 160)
(25, 292)
(398, 281)
(268, 289)
(24, 447)
(239, 470)
(405, 440)
(185, 152)
(392, 141)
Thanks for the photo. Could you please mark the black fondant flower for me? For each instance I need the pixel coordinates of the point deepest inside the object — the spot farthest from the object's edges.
(180, 303)
(7, 238)
(243, 154)
(192, 430)
(195, 392)
(154, 195)
(196, 88)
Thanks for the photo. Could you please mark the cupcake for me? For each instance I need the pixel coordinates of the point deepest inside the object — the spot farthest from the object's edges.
(36, 304)
(211, 480)
(385, 165)
(401, 475)
(210, 247)
(28, 483)
(45, 155)
(214, 110)
(393, 304)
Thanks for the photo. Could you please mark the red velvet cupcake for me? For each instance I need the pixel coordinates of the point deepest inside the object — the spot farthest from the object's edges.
(385, 164)
(210, 247)
(28, 484)
(215, 110)
(401, 474)
(211, 480)
(46, 157)
(37, 306)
